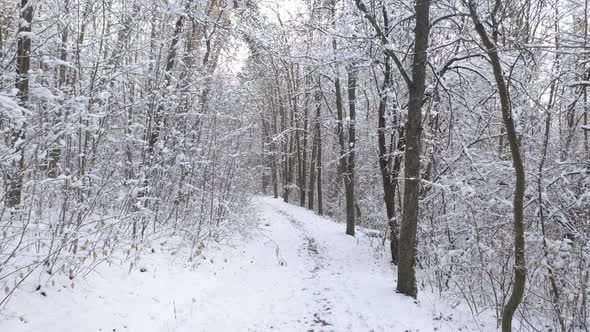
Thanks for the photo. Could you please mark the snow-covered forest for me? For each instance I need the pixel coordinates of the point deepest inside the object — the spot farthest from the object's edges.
(438, 152)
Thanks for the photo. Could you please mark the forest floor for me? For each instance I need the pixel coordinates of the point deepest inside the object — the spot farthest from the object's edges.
(294, 272)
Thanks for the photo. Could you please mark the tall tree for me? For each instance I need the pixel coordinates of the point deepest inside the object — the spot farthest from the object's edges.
(491, 48)
(350, 151)
(17, 135)
(406, 272)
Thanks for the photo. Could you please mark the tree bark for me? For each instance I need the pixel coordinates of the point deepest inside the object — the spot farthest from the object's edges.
(406, 272)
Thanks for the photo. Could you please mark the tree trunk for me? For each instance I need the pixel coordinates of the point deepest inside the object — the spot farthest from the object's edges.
(349, 174)
(54, 153)
(519, 245)
(266, 154)
(1, 35)
(384, 165)
(314, 153)
(340, 126)
(406, 273)
(303, 181)
(273, 149)
(285, 143)
(318, 127)
(17, 134)
(157, 119)
(586, 77)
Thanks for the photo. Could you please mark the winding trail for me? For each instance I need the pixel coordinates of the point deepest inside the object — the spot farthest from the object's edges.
(304, 274)
(295, 272)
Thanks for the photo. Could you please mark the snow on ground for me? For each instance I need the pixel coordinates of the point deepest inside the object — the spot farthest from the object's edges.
(295, 272)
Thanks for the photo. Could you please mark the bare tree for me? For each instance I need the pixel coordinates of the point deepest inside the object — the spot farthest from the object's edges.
(17, 135)
(491, 49)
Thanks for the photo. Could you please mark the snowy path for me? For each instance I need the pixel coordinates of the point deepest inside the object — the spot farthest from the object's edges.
(299, 272)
